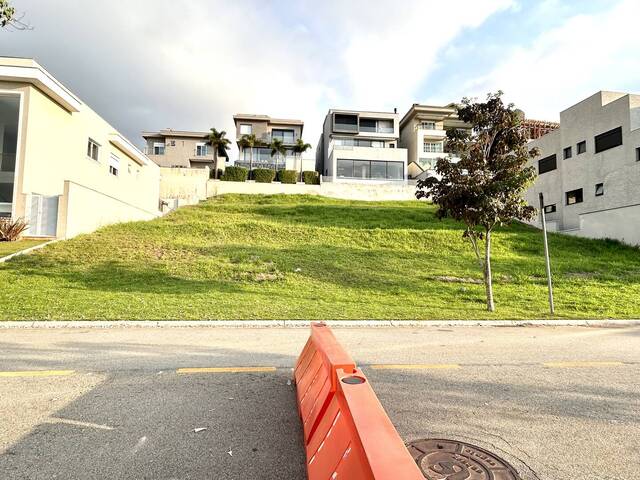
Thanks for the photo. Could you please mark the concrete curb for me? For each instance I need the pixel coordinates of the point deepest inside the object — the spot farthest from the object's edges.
(27, 250)
(4, 325)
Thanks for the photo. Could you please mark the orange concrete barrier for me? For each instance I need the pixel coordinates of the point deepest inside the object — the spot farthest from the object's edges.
(347, 433)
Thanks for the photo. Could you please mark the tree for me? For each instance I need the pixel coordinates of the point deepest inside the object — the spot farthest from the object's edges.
(8, 17)
(299, 148)
(277, 148)
(486, 186)
(250, 142)
(218, 141)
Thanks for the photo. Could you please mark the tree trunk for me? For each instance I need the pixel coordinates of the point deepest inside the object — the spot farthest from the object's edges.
(300, 158)
(215, 162)
(250, 161)
(487, 272)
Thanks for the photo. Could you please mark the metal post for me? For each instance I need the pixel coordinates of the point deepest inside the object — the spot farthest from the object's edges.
(546, 254)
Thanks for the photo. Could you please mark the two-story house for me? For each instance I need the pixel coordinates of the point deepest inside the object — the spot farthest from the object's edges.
(265, 129)
(423, 131)
(589, 169)
(177, 148)
(63, 168)
(361, 146)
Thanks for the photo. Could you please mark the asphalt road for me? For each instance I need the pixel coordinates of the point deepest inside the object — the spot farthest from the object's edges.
(556, 402)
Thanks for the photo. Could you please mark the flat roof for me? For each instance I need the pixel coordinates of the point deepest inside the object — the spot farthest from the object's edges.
(175, 133)
(416, 108)
(266, 118)
(366, 112)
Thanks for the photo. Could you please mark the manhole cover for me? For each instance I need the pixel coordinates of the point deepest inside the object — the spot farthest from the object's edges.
(452, 460)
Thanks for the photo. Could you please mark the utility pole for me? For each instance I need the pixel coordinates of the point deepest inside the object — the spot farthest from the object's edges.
(546, 253)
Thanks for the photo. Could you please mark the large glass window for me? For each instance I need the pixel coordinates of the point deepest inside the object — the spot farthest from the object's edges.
(433, 147)
(9, 110)
(287, 136)
(245, 129)
(370, 169)
(345, 122)
(607, 140)
(547, 164)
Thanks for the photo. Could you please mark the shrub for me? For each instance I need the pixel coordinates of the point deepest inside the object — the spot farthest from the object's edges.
(10, 230)
(263, 175)
(311, 178)
(288, 176)
(212, 172)
(234, 174)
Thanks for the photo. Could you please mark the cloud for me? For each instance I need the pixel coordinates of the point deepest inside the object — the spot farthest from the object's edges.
(183, 64)
(564, 65)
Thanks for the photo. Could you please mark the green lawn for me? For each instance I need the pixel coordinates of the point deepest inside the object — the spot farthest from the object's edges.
(7, 248)
(305, 257)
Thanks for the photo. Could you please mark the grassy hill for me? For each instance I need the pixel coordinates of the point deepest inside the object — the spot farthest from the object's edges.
(304, 257)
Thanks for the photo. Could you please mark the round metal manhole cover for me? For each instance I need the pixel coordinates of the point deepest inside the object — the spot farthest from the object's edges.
(452, 460)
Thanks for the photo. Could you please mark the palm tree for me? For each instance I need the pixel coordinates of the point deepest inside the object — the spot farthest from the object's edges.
(249, 141)
(277, 148)
(217, 140)
(299, 148)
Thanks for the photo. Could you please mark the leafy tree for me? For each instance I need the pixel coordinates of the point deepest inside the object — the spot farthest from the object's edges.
(217, 140)
(7, 13)
(486, 186)
(277, 148)
(299, 148)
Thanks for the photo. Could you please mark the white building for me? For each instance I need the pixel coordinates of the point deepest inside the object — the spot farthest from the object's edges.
(361, 146)
(423, 130)
(589, 169)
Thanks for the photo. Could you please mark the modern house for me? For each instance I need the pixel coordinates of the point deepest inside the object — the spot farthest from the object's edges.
(177, 148)
(62, 167)
(265, 130)
(361, 146)
(423, 130)
(589, 169)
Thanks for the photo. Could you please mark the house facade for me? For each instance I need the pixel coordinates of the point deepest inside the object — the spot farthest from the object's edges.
(63, 168)
(589, 169)
(423, 130)
(265, 130)
(183, 149)
(361, 146)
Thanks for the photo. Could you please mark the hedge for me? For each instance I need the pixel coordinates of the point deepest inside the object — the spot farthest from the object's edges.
(288, 176)
(212, 172)
(235, 174)
(263, 175)
(310, 177)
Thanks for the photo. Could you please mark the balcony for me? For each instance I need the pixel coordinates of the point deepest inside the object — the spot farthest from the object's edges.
(376, 129)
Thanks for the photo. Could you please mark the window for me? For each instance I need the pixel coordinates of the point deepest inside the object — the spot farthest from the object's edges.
(93, 148)
(581, 147)
(287, 136)
(345, 123)
(246, 129)
(599, 189)
(433, 147)
(547, 164)
(158, 148)
(574, 196)
(201, 150)
(550, 208)
(114, 165)
(428, 125)
(638, 154)
(607, 140)
(567, 153)
(370, 169)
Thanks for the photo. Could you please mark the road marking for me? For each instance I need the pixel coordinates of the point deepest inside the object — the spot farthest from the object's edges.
(225, 370)
(581, 364)
(37, 373)
(420, 366)
(78, 423)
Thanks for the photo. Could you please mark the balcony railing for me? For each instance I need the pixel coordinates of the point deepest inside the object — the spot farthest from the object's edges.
(376, 129)
(266, 138)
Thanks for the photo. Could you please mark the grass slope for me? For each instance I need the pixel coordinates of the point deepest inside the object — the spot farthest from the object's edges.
(7, 248)
(304, 257)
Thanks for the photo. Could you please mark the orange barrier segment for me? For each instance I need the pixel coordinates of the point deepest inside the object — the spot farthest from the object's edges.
(347, 433)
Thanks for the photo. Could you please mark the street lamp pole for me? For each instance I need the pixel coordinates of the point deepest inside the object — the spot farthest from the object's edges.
(546, 254)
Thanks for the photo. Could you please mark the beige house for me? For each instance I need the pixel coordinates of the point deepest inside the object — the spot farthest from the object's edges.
(176, 148)
(361, 146)
(423, 130)
(62, 167)
(265, 129)
(589, 169)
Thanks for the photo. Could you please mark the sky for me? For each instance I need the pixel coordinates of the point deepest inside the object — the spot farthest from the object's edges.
(193, 64)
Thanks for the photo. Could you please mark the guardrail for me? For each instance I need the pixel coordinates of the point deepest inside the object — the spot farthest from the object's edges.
(347, 434)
